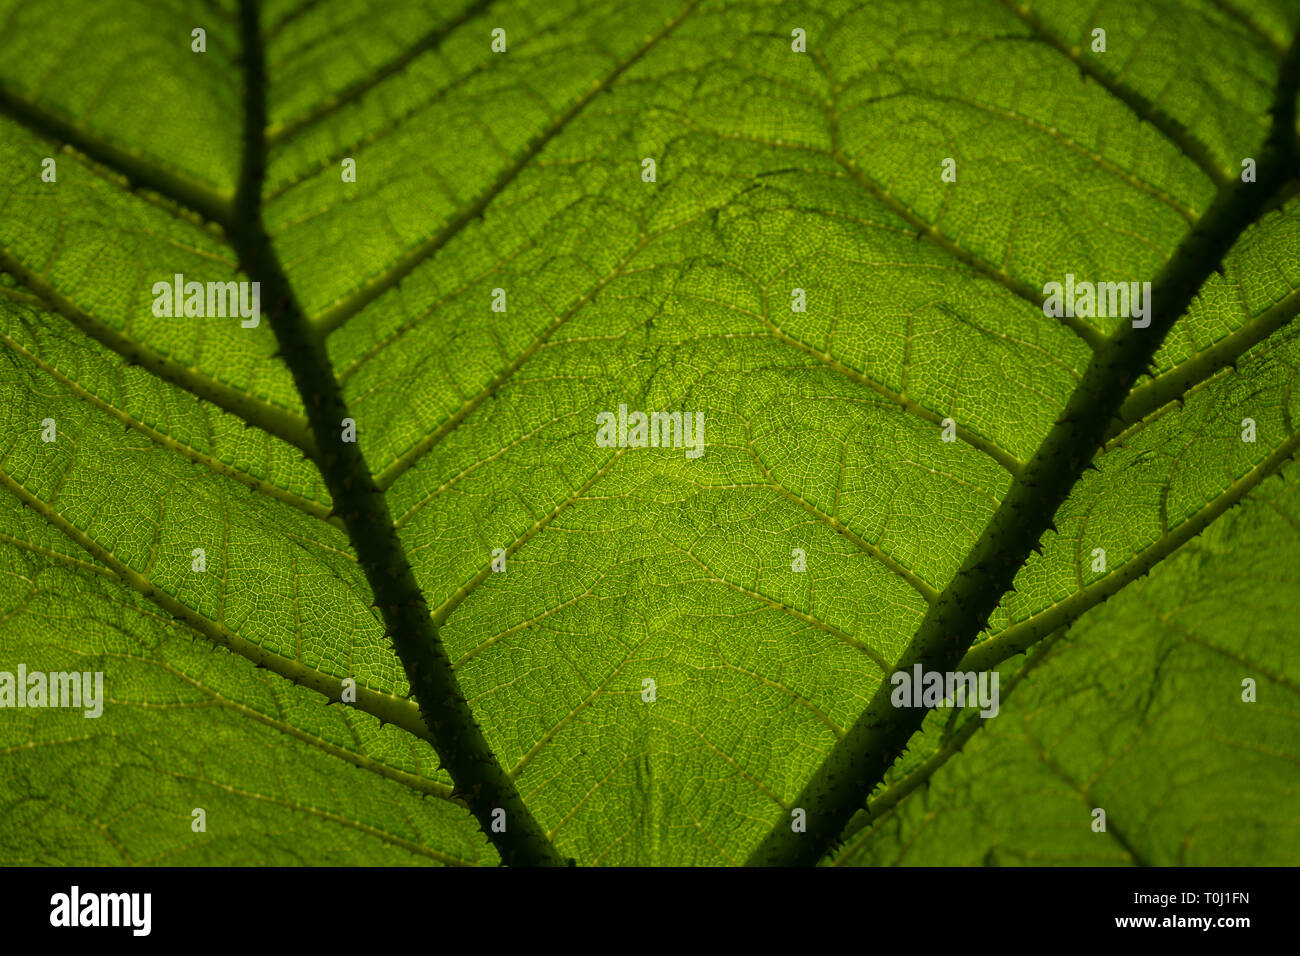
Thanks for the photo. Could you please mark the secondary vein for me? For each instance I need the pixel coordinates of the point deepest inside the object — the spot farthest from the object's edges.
(858, 762)
(460, 744)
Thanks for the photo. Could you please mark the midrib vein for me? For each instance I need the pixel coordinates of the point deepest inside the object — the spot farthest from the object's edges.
(457, 738)
(859, 761)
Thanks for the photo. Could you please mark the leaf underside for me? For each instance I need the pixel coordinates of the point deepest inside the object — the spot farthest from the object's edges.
(775, 170)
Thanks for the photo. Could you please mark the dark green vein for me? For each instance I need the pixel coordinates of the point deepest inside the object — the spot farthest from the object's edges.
(1276, 48)
(332, 318)
(416, 849)
(457, 739)
(387, 708)
(444, 611)
(1175, 383)
(409, 458)
(421, 784)
(915, 581)
(353, 143)
(925, 230)
(275, 419)
(297, 13)
(189, 193)
(1144, 109)
(860, 760)
(280, 132)
(977, 441)
(888, 799)
(1019, 637)
(1090, 801)
(1252, 666)
(212, 463)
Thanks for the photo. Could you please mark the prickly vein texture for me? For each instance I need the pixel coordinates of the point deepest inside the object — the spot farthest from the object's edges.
(521, 171)
(479, 779)
(860, 759)
(1159, 677)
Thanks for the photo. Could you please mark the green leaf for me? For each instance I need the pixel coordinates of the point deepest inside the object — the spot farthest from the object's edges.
(1138, 710)
(522, 171)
